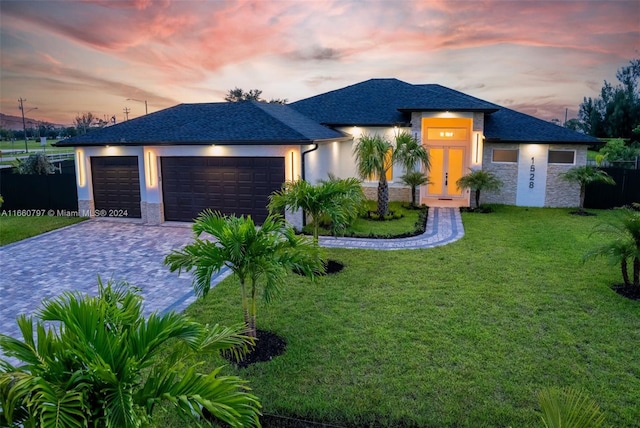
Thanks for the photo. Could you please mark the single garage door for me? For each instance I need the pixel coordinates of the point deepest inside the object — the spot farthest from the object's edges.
(116, 185)
(231, 185)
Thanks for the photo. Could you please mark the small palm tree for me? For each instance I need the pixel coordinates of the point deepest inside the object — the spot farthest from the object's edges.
(479, 180)
(625, 246)
(374, 157)
(569, 408)
(104, 364)
(338, 199)
(584, 175)
(259, 257)
(411, 154)
(414, 179)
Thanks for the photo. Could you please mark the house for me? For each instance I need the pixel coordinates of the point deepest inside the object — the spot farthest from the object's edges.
(172, 164)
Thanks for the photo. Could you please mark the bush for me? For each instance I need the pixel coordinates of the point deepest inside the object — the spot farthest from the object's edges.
(35, 164)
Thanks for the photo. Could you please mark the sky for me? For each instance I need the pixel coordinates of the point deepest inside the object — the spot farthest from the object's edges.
(538, 57)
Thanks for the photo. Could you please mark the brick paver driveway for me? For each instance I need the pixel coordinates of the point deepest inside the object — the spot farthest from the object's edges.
(70, 259)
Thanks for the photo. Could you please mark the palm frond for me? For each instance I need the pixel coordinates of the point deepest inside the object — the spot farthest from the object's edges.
(569, 408)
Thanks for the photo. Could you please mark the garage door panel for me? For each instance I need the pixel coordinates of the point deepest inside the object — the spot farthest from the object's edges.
(116, 184)
(231, 185)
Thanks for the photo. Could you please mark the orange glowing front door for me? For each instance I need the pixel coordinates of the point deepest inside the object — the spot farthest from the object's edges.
(447, 166)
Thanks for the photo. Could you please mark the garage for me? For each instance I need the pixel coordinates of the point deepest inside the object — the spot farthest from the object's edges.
(231, 185)
(116, 185)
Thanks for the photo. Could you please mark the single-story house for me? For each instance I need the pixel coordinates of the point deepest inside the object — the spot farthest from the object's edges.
(172, 164)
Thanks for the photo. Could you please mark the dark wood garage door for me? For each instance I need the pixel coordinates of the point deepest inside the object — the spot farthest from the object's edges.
(231, 185)
(116, 185)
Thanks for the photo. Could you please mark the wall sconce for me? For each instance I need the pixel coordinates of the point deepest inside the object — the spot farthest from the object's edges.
(150, 168)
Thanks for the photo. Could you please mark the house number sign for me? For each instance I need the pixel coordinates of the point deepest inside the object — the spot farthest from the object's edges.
(532, 173)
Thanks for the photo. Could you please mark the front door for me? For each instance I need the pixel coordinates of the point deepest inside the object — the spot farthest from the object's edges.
(447, 166)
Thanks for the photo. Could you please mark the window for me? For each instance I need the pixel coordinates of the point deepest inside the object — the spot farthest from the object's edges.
(505, 155)
(562, 156)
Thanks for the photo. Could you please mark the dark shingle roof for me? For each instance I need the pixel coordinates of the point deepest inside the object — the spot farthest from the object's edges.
(508, 125)
(384, 102)
(247, 122)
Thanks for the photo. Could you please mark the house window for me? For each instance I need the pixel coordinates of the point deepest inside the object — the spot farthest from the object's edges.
(562, 156)
(505, 155)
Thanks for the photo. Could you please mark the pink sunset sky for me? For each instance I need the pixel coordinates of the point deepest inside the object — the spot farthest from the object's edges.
(538, 57)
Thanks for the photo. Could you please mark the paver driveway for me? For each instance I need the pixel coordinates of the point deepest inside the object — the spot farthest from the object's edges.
(70, 259)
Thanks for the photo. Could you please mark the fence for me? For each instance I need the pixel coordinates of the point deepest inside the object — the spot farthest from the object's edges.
(625, 191)
(41, 192)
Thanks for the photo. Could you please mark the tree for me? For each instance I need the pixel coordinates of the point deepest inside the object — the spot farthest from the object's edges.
(584, 175)
(338, 199)
(616, 112)
(374, 158)
(573, 124)
(35, 164)
(237, 94)
(258, 257)
(479, 180)
(616, 150)
(411, 155)
(105, 364)
(84, 122)
(625, 246)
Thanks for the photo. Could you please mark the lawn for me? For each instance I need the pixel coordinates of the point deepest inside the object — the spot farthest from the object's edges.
(16, 228)
(462, 335)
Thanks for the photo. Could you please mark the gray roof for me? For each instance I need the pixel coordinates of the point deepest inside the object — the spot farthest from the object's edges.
(247, 122)
(508, 125)
(388, 102)
(385, 102)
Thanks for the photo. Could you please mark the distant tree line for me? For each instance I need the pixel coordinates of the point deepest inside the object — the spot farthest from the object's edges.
(237, 95)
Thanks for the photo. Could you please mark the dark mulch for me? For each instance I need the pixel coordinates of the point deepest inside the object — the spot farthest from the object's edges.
(630, 292)
(268, 346)
(330, 267)
(480, 210)
(582, 213)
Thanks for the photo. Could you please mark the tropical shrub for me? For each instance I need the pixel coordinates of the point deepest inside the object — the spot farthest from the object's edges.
(479, 180)
(105, 364)
(569, 408)
(260, 257)
(414, 179)
(624, 248)
(36, 163)
(337, 200)
(374, 158)
(584, 175)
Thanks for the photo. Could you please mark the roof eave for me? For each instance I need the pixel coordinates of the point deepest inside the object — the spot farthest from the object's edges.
(530, 141)
(475, 110)
(207, 143)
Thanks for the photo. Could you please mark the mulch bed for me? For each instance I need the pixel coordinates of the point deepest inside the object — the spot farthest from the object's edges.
(630, 292)
(480, 210)
(268, 346)
(330, 267)
(582, 213)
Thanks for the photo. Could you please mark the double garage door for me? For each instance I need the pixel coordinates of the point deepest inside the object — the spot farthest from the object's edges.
(231, 185)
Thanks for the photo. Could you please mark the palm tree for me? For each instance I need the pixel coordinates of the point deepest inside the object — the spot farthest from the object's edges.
(374, 157)
(259, 257)
(338, 199)
(410, 153)
(104, 364)
(584, 175)
(625, 246)
(479, 180)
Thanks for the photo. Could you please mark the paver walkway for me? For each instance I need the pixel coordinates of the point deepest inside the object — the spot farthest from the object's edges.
(70, 259)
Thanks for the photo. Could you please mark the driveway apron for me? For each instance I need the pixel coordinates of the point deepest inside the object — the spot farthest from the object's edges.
(70, 259)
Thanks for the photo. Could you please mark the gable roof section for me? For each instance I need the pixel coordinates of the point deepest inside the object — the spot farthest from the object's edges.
(508, 125)
(384, 102)
(247, 122)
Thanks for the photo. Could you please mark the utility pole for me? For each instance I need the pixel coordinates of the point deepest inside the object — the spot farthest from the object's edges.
(146, 110)
(24, 125)
(126, 111)
(566, 112)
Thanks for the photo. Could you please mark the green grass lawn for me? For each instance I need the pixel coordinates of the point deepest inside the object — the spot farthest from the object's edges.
(462, 335)
(16, 228)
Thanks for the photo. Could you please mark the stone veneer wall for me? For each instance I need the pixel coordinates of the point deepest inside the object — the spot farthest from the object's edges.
(85, 206)
(507, 172)
(558, 192)
(152, 213)
(395, 193)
